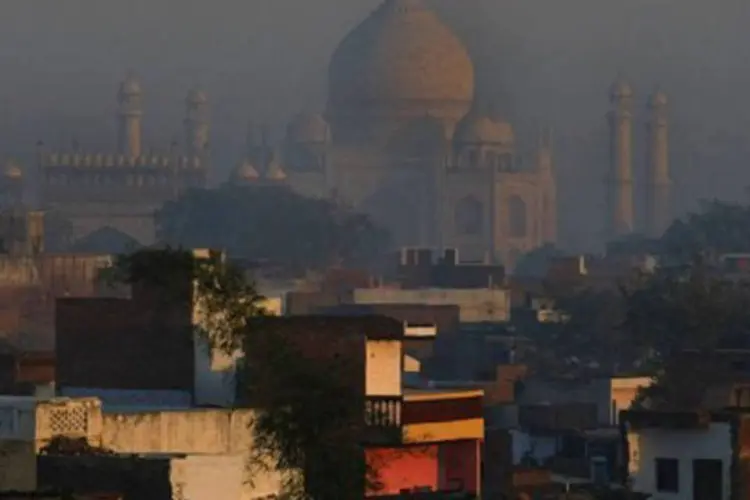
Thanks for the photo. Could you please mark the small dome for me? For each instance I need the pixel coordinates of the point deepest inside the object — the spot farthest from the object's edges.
(484, 130)
(13, 171)
(197, 96)
(246, 172)
(308, 128)
(275, 172)
(130, 86)
(621, 89)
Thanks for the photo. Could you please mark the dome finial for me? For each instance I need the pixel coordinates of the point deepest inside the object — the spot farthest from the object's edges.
(130, 85)
(621, 88)
(246, 172)
(275, 171)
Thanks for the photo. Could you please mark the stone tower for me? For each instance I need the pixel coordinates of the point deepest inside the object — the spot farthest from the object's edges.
(658, 200)
(196, 123)
(547, 184)
(620, 178)
(129, 117)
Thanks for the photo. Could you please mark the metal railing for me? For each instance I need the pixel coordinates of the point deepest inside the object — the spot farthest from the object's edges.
(383, 411)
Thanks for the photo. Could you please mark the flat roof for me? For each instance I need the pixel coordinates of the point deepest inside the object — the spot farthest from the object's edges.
(440, 394)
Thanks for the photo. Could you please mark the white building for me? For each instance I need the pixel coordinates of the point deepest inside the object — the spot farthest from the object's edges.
(28, 424)
(685, 455)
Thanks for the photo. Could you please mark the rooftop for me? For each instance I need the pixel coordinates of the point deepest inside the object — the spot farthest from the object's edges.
(372, 326)
(443, 393)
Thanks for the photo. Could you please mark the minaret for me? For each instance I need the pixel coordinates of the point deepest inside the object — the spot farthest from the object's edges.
(196, 122)
(658, 200)
(620, 181)
(546, 173)
(129, 117)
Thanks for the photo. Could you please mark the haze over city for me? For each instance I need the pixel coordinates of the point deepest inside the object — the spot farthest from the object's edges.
(538, 62)
(374, 249)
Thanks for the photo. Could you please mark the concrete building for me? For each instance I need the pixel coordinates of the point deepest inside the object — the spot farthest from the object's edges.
(29, 424)
(687, 455)
(439, 432)
(476, 305)
(569, 428)
(207, 450)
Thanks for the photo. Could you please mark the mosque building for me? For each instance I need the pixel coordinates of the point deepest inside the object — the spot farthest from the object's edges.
(403, 139)
(121, 190)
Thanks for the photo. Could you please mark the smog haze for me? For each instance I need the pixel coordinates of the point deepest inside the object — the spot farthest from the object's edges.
(539, 62)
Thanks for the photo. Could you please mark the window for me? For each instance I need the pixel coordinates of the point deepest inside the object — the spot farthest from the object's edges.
(667, 475)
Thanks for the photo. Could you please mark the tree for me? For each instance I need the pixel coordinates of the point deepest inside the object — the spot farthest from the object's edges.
(312, 419)
(536, 262)
(653, 324)
(679, 317)
(590, 337)
(717, 227)
(307, 414)
(271, 223)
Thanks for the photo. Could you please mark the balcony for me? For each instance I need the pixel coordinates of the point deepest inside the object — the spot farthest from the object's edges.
(383, 420)
(383, 411)
(425, 416)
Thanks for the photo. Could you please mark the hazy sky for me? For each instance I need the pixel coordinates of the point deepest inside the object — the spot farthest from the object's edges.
(540, 61)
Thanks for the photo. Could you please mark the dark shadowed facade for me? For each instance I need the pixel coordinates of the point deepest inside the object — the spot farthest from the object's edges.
(136, 344)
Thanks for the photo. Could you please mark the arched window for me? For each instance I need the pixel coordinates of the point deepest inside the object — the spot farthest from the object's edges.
(517, 217)
(469, 216)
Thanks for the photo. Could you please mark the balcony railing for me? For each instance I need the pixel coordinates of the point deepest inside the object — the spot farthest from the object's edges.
(383, 411)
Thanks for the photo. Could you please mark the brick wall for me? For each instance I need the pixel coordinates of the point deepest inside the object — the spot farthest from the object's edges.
(317, 337)
(124, 344)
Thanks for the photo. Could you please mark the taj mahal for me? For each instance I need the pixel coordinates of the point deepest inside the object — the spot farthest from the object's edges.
(401, 138)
